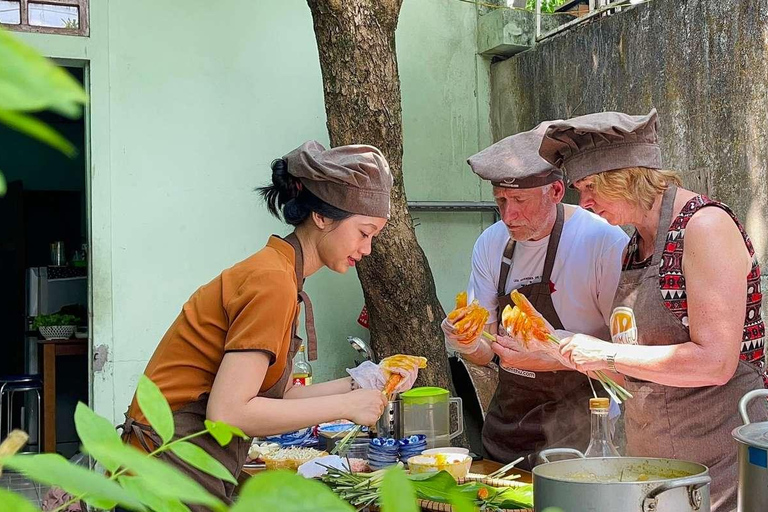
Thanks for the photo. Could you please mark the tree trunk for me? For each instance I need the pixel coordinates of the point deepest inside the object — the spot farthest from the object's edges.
(356, 43)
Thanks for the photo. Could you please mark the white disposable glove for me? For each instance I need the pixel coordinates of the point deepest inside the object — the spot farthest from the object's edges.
(452, 339)
(370, 375)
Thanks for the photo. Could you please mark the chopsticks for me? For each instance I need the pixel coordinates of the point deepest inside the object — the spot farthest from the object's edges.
(499, 473)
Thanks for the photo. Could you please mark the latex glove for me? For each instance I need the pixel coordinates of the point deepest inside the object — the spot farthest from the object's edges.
(587, 353)
(404, 365)
(368, 375)
(452, 342)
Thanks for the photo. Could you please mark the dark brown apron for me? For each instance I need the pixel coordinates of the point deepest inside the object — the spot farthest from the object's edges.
(682, 423)
(531, 411)
(190, 418)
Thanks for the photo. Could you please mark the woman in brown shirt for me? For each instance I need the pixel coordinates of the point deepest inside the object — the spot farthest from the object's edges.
(227, 357)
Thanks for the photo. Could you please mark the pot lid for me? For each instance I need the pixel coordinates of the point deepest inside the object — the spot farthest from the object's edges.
(754, 434)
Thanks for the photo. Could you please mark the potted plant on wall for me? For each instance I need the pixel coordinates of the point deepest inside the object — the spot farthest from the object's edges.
(56, 326)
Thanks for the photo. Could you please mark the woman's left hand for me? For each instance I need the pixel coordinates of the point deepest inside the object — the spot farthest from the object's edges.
(586, 353)
(409, 376)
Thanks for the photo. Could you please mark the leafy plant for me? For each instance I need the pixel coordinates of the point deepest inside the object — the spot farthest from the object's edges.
(31, 83)
(54, 319)
(142, 482)
(546, 5)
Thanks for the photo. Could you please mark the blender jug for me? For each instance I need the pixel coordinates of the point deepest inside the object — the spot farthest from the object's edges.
(426, 411)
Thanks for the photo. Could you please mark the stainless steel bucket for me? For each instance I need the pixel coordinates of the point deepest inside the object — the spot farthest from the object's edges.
(752, 439)
(620, 484)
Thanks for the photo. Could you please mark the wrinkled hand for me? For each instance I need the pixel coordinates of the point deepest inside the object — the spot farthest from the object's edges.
(365, 406)
(586, 353)
(452, 339)
(513, 353)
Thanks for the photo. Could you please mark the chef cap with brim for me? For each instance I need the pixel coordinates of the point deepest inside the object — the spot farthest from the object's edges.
(514, 161)
(605, 141)
(355, 179)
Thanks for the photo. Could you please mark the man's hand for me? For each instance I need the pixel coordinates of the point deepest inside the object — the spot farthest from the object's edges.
(586, 353)
(536, 356)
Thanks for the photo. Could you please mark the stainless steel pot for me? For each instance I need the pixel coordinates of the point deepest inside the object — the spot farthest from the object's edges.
(618, 485)
(752, 439)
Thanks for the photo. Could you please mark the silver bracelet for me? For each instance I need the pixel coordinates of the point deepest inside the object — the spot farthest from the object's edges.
(611, 360)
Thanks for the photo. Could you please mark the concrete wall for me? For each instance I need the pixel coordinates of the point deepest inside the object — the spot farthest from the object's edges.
(701, 63)
(191, 102)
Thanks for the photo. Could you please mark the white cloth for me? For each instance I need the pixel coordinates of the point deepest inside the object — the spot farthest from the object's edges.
(585, 274)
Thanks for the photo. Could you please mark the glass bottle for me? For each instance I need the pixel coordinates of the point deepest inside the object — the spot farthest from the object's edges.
(302, 370)
(600, 442)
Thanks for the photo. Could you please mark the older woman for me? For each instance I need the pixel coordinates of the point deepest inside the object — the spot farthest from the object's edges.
(686, 328)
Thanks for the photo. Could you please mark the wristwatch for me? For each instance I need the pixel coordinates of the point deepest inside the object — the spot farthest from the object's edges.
(611, 360)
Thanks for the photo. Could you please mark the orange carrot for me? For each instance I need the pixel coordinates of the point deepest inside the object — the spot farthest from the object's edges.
(392, 383)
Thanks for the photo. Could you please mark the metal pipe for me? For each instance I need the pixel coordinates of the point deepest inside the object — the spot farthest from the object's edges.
(469, 206)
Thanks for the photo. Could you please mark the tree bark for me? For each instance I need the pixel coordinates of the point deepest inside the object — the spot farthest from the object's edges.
(356, 43)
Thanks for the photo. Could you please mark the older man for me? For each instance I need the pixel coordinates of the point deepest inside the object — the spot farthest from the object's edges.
(567, 261)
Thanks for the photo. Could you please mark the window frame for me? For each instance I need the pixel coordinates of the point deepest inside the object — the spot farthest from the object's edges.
(24, 26)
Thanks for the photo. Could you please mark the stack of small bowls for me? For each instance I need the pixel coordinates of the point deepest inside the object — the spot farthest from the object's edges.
(411, 446)
(382, 452)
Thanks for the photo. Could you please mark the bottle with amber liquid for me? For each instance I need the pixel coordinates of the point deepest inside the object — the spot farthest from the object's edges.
(302, 370)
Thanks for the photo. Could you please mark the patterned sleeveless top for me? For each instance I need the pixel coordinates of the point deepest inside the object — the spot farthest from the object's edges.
(672, 281)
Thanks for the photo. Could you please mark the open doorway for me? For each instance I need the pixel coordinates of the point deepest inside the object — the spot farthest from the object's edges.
(44, 270)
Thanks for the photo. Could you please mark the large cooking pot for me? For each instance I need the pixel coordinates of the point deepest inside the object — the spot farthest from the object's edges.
(753, 457)
(619, 484)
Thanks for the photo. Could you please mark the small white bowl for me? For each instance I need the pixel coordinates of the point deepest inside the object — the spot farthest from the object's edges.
(447, 449)
(454, 463)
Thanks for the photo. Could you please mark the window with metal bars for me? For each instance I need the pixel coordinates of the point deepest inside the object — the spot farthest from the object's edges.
(68, 17)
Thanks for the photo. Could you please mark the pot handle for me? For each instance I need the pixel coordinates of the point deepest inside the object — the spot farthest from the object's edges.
(559, 451)
(650, 503)
(745, 401)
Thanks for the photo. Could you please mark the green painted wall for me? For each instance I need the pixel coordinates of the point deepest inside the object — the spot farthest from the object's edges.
(190, 103)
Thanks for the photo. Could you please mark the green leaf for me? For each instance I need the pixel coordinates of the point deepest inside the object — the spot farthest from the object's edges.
(160, 477)
(96, 431)
(138, 487)
(511, 497)
(11, 502)
(463, 501)
(53, 469)
(3, 185)
(287, 492)
(434, 486)
(397, 492)
(222, 432)
(199, 458)
(30, 82)
(37, 129)
(155, 408)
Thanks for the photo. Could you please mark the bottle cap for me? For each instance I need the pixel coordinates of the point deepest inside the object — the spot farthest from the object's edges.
(599, 403)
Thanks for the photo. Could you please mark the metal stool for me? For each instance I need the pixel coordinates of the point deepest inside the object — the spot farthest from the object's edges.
(20, 384)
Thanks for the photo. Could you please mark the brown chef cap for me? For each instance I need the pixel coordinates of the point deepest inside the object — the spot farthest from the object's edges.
(605, 141)
(514, 162)
(354, 178)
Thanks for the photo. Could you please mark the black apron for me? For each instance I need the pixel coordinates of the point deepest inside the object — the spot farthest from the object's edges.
(190, 418)
(533, 411)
